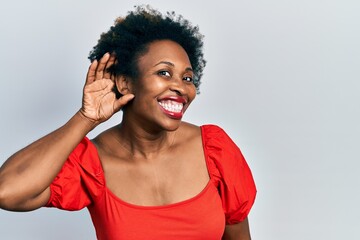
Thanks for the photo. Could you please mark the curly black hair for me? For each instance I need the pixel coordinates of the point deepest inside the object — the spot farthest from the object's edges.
(130, 37)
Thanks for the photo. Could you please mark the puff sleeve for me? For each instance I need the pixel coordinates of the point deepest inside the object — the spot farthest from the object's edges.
(230, 173)
(80, 180)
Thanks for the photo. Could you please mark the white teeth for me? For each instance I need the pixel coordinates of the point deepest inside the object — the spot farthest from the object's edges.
(171, 106)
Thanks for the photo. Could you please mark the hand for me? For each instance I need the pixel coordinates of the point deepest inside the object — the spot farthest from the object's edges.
(99, 100)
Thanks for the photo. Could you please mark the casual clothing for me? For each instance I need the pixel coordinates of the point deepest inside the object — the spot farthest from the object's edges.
(226, 199)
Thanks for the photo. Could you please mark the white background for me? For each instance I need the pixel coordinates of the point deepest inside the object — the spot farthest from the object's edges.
(282, 79)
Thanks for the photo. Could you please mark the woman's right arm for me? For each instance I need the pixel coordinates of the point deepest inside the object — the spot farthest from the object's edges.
(26, 176)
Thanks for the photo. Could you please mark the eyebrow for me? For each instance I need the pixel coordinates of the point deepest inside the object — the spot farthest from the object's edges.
(173, 65)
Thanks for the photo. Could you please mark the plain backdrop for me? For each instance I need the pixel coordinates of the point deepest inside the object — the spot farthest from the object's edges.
(282, 79)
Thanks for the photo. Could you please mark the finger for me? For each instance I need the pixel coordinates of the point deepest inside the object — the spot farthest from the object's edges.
(90, 77)
(99, 74)
(121, 102)
(109, 63)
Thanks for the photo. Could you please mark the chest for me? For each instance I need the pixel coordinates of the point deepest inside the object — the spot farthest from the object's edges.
(173, 177)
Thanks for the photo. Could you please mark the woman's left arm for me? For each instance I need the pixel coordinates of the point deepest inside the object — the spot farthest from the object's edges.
(238, 231)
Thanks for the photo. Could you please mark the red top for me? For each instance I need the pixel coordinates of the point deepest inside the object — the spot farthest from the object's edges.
(226, 199)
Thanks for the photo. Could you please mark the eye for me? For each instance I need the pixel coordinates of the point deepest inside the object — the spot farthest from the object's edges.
(188, 79)
(164, 73)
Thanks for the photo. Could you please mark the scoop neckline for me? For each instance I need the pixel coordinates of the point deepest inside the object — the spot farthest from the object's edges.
(158, 207)
(170, 205)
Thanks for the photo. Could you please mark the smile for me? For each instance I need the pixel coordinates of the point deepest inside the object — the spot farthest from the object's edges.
(171, 106)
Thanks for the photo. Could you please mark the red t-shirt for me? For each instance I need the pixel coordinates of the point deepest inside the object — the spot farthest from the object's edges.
(226, 199)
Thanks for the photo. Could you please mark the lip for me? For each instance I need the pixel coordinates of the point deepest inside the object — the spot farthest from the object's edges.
(178, 99)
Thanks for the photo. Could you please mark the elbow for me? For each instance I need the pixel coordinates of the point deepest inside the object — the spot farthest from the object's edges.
(6, 201)
(16, 201)
(11, 197)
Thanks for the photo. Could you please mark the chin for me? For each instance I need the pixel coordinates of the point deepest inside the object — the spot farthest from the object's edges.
(171, 124)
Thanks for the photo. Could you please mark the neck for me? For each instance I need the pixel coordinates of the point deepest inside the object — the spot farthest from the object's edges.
(142, 143)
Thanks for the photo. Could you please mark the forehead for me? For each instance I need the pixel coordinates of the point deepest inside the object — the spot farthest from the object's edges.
(165, 50)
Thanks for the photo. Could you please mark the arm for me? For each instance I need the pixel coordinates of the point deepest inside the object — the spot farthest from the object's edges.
(26, 176)
(238, 231)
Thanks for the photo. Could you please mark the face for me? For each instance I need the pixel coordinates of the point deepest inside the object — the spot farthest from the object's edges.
(165, 88)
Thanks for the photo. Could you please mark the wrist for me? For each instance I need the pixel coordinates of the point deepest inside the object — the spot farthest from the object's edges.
(86, 122)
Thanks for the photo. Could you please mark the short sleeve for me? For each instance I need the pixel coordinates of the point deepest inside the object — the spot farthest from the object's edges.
(80, 180)
(230, 172)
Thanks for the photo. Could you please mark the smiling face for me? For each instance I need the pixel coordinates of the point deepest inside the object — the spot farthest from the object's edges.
(164, 88)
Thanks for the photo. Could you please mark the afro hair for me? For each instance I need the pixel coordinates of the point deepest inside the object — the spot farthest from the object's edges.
(130, 37)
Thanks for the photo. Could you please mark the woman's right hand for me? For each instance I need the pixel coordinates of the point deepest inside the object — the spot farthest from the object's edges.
(26, 176)
(99, 100)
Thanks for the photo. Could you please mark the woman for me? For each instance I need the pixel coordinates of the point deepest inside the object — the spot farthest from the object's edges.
(152, 176)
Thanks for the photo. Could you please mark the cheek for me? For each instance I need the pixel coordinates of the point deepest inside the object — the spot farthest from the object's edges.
(147, 92)
(192, 92)
(151, 87)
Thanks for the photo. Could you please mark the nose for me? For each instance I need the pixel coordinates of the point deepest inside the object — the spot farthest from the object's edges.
(178, 86)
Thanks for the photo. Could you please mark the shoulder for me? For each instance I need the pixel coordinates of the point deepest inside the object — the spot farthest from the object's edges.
(188, 130)
(83, 148)
(187, 135)
(189, 127)
(220, 148)
(104, 141)
(216, 134)
(207, 132)
(84, 156)
(194, 129)
(212, 129)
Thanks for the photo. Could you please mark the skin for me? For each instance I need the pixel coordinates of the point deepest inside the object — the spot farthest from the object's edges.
(163, 153)
(238, 231)
(26, 176)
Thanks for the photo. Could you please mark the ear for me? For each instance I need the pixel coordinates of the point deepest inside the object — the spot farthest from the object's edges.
(123, 84)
